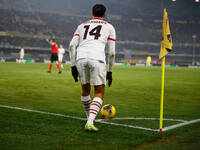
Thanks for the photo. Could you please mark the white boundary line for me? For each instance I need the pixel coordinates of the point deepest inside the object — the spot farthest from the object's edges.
(126, 125)
(180, 124)
(183, 122)
(43, 112)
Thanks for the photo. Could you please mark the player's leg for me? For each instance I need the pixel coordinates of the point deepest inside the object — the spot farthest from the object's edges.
(60, 63)
(85, 98)
(51, 63)
(84, 79)
(99, 91)
(95, 107)
(96, 104)
(60, 58)
(23, 61)
(98, 74)
(57, 64)
(20, 60)
(50, 66)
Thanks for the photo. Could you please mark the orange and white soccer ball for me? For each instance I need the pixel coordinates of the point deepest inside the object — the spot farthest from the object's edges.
(108, 111)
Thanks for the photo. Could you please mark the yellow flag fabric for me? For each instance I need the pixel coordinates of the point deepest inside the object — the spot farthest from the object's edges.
(166, 44)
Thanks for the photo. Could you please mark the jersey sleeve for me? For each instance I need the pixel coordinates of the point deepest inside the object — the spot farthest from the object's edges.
(112, 35)
(75, 39)
(72, 46)
(77, 32)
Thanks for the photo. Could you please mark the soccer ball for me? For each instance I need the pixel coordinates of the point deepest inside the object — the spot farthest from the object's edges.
(108, 111)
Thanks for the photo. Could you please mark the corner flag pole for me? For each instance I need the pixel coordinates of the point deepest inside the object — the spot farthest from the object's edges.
(166, 46)
(162, 93)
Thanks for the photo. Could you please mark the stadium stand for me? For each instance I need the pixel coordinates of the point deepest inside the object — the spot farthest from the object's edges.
(28, 26)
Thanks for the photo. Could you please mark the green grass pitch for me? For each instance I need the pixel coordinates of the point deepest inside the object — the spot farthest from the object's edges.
(135, 92)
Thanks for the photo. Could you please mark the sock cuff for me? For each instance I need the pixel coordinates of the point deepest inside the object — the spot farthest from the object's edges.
(85, 98)
(98, 99)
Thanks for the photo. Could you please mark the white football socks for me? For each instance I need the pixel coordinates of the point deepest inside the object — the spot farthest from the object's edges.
(95, 106)
(86, 101)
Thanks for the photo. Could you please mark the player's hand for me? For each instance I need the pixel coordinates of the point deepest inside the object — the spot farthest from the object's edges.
(74, 73)
(109, 78)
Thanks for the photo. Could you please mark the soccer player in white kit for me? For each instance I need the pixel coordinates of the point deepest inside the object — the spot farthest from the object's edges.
(89, 40)
(61, 52)
(21, 53)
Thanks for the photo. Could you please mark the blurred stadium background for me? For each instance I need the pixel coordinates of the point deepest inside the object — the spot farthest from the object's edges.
(138, 24)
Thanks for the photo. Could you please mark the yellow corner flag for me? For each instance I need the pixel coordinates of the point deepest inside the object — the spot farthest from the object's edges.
(166, 44)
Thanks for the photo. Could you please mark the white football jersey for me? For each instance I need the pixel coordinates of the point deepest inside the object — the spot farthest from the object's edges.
(93, 36)
(61, 51)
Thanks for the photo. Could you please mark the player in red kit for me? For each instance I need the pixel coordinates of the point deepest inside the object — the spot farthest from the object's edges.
(54, 54)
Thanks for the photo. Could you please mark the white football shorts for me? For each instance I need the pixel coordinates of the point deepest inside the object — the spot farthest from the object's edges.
(92, 71)
(60, 58)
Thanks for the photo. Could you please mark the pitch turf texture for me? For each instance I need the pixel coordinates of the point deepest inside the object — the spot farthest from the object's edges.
(135, 92)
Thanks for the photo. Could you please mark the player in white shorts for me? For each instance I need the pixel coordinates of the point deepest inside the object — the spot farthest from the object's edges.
(61, 52)
(89, 40)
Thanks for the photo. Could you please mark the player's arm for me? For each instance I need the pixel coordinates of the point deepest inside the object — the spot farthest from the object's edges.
(111, 52)
(72, 51)
(49, 42)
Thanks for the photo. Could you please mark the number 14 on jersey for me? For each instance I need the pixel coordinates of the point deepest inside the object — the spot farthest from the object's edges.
(94, 32)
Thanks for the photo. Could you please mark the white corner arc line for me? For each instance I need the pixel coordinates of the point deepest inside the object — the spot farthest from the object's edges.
(134, 118)
(180, 124)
